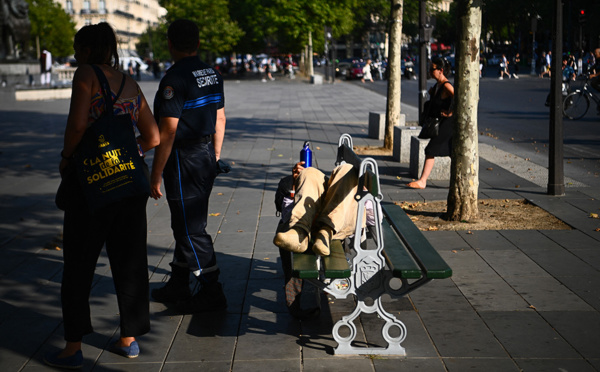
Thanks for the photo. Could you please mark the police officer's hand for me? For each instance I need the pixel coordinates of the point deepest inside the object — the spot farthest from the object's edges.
(155, 187)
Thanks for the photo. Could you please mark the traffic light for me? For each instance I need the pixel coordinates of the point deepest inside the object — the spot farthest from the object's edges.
(582, 16)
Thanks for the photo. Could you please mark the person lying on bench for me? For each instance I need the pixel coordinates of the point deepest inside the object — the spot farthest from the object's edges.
(322, 208)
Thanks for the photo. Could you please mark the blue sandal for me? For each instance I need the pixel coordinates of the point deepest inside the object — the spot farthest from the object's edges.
(74, 361)
(131, 351)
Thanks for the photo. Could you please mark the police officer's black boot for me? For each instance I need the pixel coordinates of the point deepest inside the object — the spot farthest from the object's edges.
(210, 297)
(177, 288)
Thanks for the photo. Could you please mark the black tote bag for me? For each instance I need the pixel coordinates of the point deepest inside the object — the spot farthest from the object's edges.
(108, 162)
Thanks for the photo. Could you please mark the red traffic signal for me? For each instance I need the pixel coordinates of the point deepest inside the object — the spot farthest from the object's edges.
(581, 16)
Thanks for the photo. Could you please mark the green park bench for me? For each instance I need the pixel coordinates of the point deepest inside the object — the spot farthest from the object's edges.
(396, 252)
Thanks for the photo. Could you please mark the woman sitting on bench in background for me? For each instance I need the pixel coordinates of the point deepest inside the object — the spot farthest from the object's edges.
(440, 103)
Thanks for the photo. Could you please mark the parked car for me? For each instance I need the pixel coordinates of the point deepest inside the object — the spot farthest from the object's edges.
(127, 56)
(341, 67)
(355, 71)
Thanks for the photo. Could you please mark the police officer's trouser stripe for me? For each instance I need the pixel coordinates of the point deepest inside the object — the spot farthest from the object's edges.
(187, 234)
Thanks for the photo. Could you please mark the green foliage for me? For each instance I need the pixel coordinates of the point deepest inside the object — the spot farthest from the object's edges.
(154, 40)
(285, 23)
(53, 26)
(445, 26)
(218, 32)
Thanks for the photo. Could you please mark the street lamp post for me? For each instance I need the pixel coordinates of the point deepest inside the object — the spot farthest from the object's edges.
(533, 29)
(424, 36)
(556, 178)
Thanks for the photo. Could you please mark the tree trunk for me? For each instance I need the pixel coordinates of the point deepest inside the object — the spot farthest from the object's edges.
(309, 56)
(464, 177)
(394, 67)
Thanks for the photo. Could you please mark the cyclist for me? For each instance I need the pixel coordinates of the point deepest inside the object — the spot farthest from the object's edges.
(595, 74)
(568, 74)
(595, 71)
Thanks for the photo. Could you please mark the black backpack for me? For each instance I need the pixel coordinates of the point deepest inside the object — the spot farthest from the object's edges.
(283, 190)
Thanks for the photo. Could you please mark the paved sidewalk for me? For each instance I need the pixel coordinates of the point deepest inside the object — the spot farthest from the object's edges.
(518, 300)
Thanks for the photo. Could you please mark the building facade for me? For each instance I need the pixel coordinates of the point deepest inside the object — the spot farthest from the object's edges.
(129, 18)
(443, 6)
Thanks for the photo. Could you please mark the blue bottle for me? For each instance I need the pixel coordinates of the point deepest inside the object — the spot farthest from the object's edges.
(306, 155)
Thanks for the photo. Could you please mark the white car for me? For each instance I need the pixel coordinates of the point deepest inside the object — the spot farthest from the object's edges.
(127, 57)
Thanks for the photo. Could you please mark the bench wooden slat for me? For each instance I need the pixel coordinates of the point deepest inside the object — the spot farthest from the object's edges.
(397, 257)
(348, 155)
(335, 265)
(426, 256)
(369, 180)
(304, 266)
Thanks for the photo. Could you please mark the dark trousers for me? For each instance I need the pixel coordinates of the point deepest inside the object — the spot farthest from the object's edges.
(123, 228)
(189, 176)
(595, 83)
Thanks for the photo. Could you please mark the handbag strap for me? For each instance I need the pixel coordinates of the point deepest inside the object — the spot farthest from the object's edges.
(105, 86)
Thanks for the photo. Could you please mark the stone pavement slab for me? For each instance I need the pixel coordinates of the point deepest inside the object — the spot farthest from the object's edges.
(518, 300)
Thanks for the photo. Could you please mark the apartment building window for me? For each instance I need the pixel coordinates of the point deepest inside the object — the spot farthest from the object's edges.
(69, 7)
(86, 6)
(101, 6)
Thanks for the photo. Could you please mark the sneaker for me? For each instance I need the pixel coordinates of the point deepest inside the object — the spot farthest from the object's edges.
(172, 292)
(293, 240)
(74, 361)
(209, 298)
(131, 351)
(500, 78)
(515, 76)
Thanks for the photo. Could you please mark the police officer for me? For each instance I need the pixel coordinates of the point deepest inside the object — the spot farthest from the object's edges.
(189, 109)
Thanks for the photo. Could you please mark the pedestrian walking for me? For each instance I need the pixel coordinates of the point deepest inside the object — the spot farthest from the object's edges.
(121, 226)
(547, 64)
(190, 110)
(46, 68)
(504, 67)
(516, 61)
(367, 76)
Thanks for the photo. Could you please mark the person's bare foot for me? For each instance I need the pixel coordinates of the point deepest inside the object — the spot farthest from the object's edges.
(416, 185)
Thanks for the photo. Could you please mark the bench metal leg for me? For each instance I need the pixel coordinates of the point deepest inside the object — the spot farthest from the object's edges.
(345, 343)
(368, 282)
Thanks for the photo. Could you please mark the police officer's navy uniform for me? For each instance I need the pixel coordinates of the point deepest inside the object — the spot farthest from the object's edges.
(192, 91)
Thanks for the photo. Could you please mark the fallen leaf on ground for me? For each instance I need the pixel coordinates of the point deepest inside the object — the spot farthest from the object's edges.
(214, 214)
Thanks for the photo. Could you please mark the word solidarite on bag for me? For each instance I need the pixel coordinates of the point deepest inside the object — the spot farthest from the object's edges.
(109, 164)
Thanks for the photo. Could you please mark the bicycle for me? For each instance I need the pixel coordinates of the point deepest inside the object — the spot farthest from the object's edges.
(576, 104)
